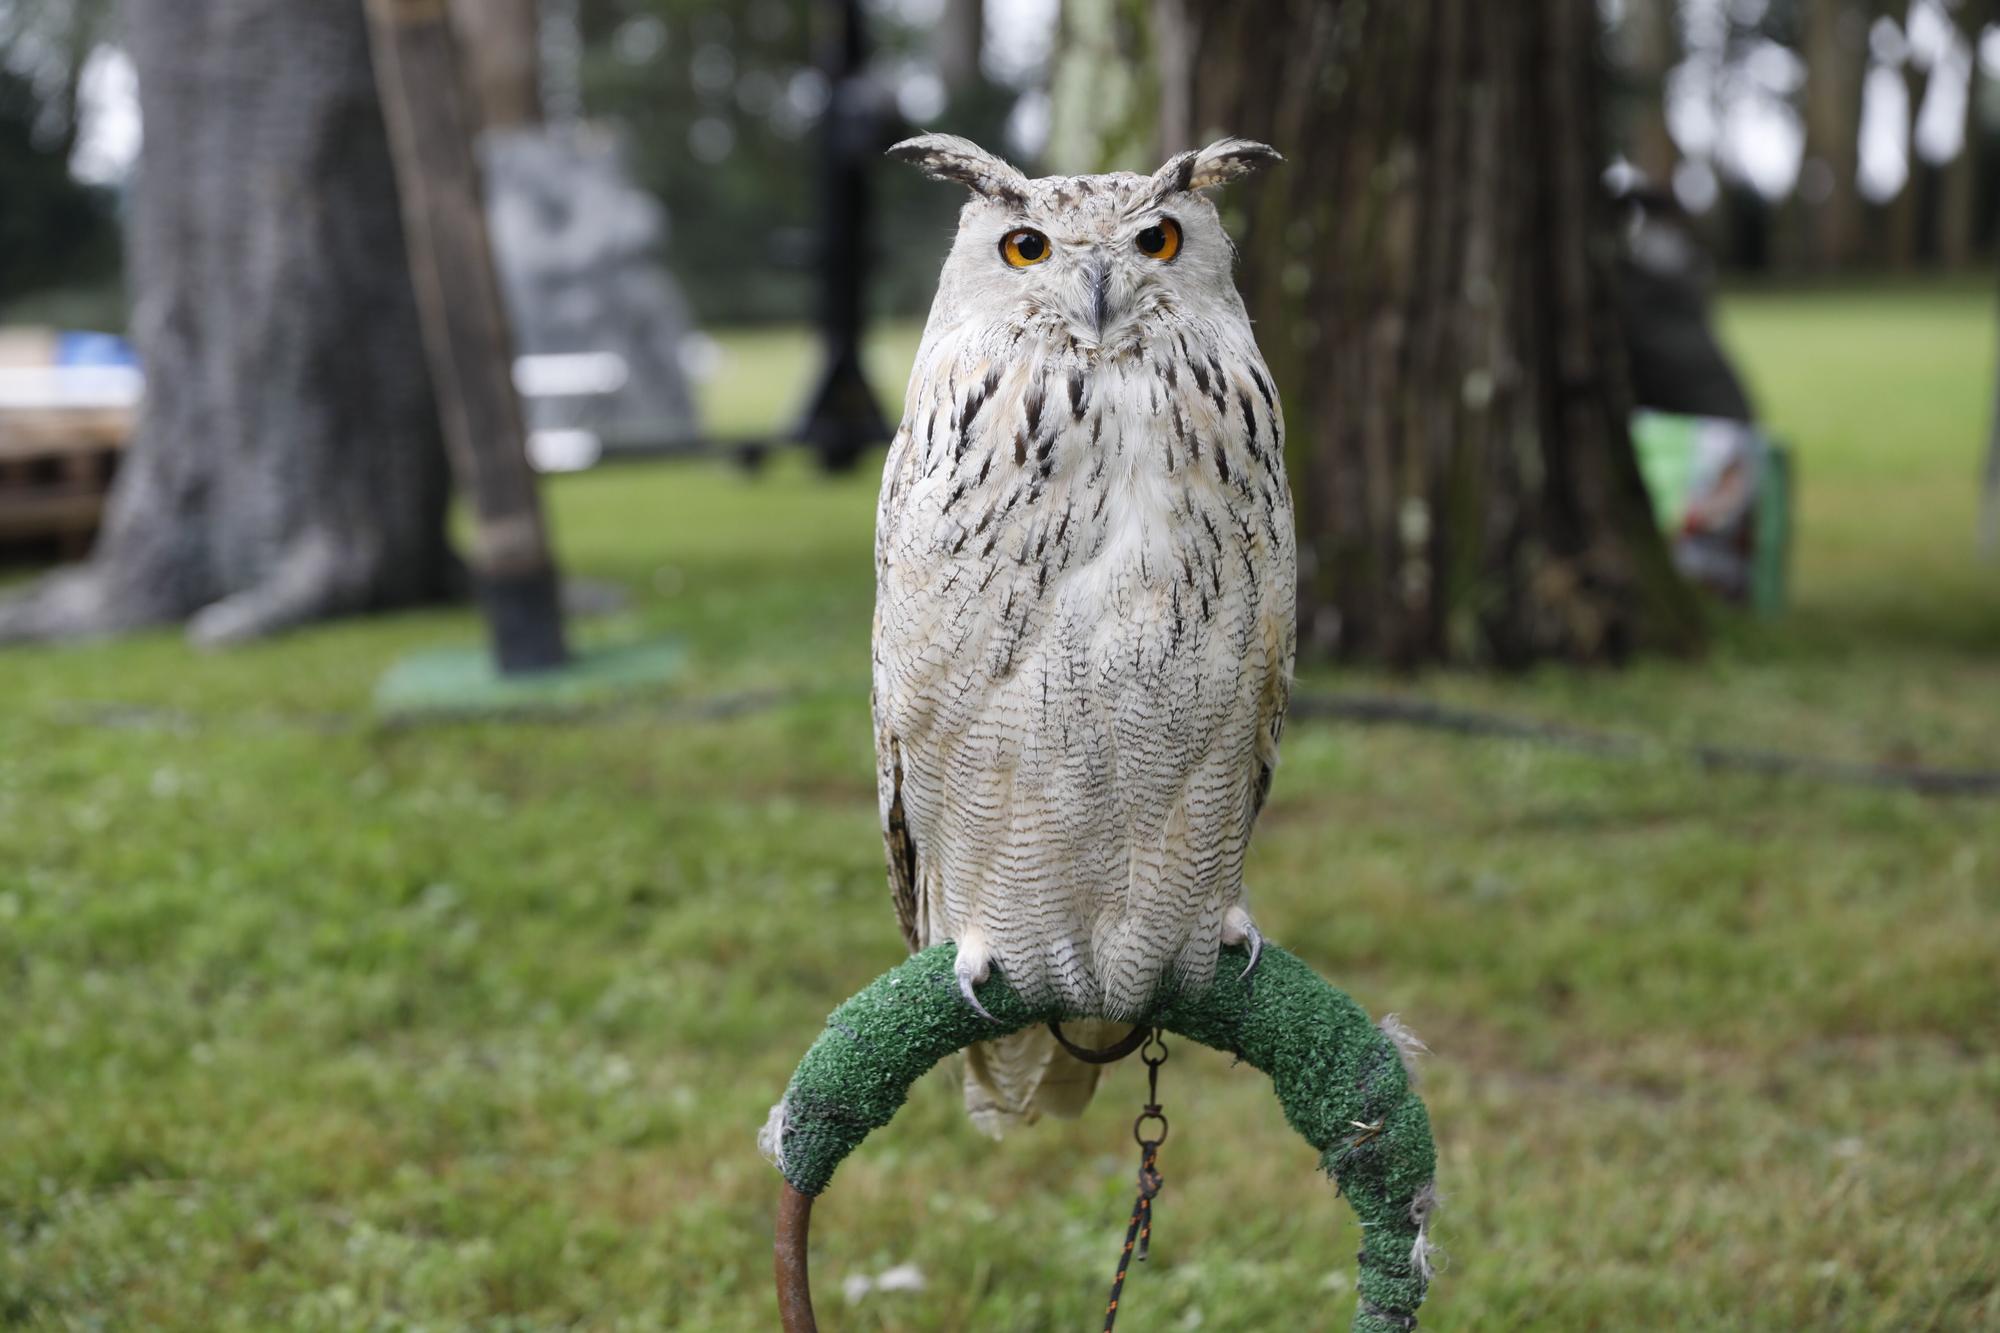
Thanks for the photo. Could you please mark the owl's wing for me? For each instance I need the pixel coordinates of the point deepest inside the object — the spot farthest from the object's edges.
(1277, 627)
(899, 848)
(902, 853)
(1271, 726)
(1280, 617)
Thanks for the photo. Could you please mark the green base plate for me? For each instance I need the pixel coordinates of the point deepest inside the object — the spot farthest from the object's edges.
(463, 683)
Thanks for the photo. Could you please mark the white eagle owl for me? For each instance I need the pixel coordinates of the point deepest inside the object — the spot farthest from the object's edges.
(1085, 584)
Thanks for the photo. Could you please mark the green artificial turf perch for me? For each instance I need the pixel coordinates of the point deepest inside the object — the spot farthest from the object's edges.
(458, 683)
(1342, 1080)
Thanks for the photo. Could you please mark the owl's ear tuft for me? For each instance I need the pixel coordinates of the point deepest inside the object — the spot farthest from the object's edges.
(1219, 163)
(946, 157)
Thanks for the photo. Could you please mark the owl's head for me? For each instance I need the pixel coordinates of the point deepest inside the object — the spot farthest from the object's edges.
(1089, 263)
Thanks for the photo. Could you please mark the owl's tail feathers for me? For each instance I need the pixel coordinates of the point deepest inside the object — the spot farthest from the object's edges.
(1015, 1080)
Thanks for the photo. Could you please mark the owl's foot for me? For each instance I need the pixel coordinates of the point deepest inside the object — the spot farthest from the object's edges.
(974, 965)
(1238, 928)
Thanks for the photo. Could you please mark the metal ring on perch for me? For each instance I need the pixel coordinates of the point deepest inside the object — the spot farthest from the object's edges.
(1341, 1080)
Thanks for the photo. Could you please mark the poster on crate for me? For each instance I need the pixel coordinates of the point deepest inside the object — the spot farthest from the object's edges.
(1722, 493)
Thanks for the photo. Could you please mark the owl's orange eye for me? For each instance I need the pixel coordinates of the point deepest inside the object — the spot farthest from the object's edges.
(1024, 247)
(1161, 241)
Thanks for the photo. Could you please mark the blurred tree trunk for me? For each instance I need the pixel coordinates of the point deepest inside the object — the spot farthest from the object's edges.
(87, 20)
(975, 106)
(502, 44)
(1907, 213)
(287, 464)
(1958, 225)
(1105, 88)
(1431, 272)
(1654, 48)
(56, 37)
(1990, 518)
(957, 40)
(1836, 42)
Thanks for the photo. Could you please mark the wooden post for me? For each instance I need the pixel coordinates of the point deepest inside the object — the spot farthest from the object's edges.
(501, 40)
(466, 336)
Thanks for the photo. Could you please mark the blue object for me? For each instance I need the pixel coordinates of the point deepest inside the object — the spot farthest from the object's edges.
(76, 347)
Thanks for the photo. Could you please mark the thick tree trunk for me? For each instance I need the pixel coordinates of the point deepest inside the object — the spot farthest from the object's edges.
(287, 464)
(1431, 276)
(1836, 42)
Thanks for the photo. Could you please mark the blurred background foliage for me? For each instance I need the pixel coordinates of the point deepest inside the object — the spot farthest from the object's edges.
(1887, 161)
(54, 229)
(723, 104)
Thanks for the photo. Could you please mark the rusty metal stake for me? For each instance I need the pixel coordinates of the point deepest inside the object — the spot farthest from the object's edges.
(788, 1261)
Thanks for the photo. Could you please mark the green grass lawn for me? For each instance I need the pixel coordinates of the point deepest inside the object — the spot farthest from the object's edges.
(311, 1024)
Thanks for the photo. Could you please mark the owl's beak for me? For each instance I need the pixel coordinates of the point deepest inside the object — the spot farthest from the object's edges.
(1097, 277)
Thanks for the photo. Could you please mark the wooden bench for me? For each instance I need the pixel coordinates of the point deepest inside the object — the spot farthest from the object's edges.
(62, 431)
(56, 467)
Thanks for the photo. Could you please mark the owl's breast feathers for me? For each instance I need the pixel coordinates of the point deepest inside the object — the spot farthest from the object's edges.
(1083, 646)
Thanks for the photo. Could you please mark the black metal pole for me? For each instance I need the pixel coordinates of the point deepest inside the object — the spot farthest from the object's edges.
(843, 419)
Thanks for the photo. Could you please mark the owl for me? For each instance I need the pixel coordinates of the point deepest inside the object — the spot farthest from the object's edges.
(1085, 587)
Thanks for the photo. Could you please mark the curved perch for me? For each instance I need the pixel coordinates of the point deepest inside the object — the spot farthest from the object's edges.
(1341, 1081)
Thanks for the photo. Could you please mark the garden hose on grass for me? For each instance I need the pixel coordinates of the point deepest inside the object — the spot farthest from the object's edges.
(1341, 1079)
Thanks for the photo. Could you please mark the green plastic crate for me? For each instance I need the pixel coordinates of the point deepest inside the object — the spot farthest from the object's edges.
(1732, 539)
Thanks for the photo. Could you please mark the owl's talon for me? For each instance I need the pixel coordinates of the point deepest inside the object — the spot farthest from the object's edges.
(1238, 928)
(972, 1000)
(1256, 939)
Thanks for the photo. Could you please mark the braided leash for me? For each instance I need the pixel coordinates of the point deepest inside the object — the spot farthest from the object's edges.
(1139, 1232)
